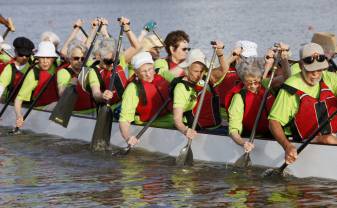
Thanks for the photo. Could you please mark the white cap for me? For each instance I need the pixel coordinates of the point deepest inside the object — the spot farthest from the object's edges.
(195, 55)
(249, 49)
(141, 58)
(46, 49)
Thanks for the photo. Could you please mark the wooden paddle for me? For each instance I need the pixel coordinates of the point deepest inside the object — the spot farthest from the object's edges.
(279, 171)
(101, 135)
(126, 150)
(65, 106)
(244, 160)
(185, 156)
(44, 88)
(16, 89)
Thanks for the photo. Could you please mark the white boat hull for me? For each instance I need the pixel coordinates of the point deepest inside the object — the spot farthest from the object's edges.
(314, 161)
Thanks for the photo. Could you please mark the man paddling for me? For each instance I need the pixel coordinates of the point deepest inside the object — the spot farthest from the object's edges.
(14, 69)
(36, 80)
(305, 100)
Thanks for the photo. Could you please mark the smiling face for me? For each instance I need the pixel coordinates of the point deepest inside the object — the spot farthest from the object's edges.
(146, 72)
(312, 77)
(45, 62)
(252, 83)
(76, 59)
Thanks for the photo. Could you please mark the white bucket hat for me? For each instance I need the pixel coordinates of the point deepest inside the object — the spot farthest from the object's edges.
(141, 58)
(3, 45)
(46, 49)
(195, 55)
(249, 48)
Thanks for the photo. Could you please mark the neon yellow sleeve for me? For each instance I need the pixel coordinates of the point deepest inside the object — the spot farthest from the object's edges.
(122, 61)
(130, 102)
(284, 108)
(63, 78)
(295, 68)
(330, 78)
(4, 57)
(93, 79)
(235, 114)
(6, 75)
(161, 64)
(182, 98)
(29, 84)
(167, 75)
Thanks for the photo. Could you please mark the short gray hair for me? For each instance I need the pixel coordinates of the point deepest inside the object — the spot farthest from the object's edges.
(105, 46)
(52, 37)
(76, 44)
(250, 67)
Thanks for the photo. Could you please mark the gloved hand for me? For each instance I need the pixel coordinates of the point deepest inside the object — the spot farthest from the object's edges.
(150, 25)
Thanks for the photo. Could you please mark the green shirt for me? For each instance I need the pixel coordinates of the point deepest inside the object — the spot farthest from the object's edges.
(6, 75)
(183, 98)
(295, 68)
(236, 111)
(286, 105)
(63, 78)
(29, 85)
(128, 110)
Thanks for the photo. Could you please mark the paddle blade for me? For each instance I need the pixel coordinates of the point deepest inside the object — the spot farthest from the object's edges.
(121, 152)
(244, 161)
(185, 156)
(101, 137)
(64, 107)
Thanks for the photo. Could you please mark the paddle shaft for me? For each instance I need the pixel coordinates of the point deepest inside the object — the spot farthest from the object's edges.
(263, 103)
(83, 31)
(311, 137)
(44, 88)
(203, 93)
(153, 118)
(156, 34)
(16, 89)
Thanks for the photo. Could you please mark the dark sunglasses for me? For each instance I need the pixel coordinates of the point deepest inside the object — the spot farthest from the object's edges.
(22, 55)
(311, 59)
(76, 58)
(186, 49)
(108, 61)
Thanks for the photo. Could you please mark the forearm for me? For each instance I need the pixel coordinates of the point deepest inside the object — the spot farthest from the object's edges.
(143, 33)
(91, 36)
(70, 38)
(124, 127)
(237, 138)
(18, 106)
(278, 133)
(178, 120)
(285, 68)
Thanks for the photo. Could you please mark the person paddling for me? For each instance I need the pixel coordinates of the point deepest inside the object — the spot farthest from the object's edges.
(244, 99)
(305, 100)
(177, 47)
(142, 98)
(36, 79)
(13, 71)
(186, 94)
(69, 76)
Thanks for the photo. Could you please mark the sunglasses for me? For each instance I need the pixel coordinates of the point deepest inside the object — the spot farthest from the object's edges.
(311, 59)
(249, 83)
(186, 49)
(76, 58)
(108, 61)
(22, 55)
(269, 57)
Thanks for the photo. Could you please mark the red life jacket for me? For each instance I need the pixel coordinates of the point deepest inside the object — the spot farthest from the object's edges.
(104, 81)
(152, 96)
(252, 103)
(229, 81)
(312, 112)
(210, 110)
(51, 93)
(84, 100)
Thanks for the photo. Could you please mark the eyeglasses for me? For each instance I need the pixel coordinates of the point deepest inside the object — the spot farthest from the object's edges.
(311, 59)
(77, 58)
(255, 82)
(186, 49)
(108, 61)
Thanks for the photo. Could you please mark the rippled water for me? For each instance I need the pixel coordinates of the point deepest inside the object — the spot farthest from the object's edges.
(46, 171)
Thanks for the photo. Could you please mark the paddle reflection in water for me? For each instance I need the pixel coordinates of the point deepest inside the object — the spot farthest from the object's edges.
(43, 170)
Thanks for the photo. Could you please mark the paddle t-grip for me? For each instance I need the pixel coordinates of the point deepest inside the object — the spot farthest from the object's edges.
(119, 19)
